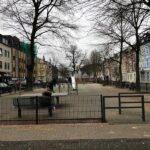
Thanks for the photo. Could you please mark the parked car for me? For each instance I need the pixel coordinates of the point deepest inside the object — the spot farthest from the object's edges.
(5, 88)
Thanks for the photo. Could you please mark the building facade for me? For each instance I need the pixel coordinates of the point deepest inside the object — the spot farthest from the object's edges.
(41, 70)
(145, 63)
(129, 64)
(5, 60)
(18, 58)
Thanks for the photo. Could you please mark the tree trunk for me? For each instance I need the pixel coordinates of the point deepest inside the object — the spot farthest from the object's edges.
(121, 49)
(30, 68)
(120, 64)
(74, 64)
(137, 62)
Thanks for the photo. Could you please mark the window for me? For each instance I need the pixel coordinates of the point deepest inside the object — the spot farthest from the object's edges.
(5, 53)
(5, 41)
(1, 52)
(5, 65)
(147, 76)
(148, 62)
(1, 65)
(146, 51)
(145, 64)
(142, 77)
(8, 54)
(8, 66)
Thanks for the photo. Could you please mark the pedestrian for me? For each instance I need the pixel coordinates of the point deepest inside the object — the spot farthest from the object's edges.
(51, 86)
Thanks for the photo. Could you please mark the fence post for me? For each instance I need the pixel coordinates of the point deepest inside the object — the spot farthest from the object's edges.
(103, 110)
(36, 110)
(101, 97)
(19, 109)
(143, 108)
(119, 101)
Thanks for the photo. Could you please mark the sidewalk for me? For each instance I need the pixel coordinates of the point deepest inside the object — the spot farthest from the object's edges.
(74, 132)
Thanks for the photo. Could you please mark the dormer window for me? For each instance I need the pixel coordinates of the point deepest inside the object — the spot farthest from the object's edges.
(5, 41)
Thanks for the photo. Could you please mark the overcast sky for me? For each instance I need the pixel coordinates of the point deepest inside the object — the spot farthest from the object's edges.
(84, 39)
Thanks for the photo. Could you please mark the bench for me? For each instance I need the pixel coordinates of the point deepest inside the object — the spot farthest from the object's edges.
(33, 102)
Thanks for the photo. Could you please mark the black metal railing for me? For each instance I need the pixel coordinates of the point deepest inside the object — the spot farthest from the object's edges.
(120, 102)
(35, 110)
(46, 109)
(120, 107)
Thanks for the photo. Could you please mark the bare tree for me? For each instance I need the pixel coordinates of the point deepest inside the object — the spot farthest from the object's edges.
(76, 58)
(63, 71)
(95, 60)
(36, 18)
(109, 23)
(136, 16)
(129, 3)
(86, 68)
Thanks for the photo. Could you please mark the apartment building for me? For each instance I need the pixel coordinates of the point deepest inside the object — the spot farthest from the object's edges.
(18, 58)
(145, 61)
(5, 60)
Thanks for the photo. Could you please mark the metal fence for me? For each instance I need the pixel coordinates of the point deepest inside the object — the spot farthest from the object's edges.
(129, 104)
(31, 110)
(71, 108)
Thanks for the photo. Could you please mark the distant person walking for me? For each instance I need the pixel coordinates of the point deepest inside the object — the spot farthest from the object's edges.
(51, 84)
(69, 80)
